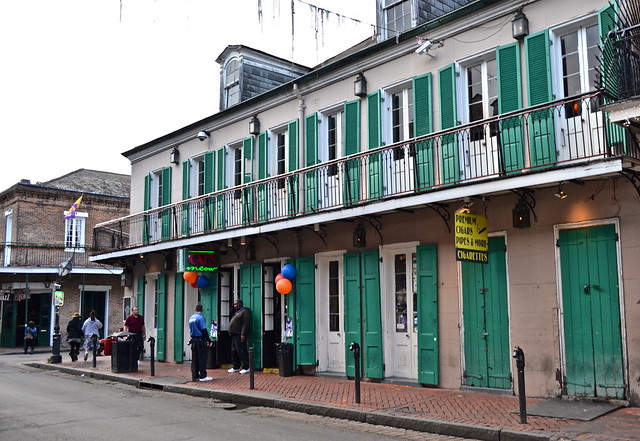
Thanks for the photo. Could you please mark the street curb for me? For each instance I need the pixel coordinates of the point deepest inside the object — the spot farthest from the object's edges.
(363, 416)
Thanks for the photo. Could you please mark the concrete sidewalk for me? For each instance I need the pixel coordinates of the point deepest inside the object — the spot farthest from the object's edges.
(450, 412)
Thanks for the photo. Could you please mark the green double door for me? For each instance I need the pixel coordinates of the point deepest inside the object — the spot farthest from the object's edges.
(591, 312)
(486, 320)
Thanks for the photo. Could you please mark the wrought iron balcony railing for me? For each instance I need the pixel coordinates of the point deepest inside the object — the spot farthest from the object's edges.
(44, 255)
(620, 74)
(562, 133)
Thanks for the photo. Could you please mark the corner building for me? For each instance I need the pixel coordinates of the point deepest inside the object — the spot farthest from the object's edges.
(355, 173)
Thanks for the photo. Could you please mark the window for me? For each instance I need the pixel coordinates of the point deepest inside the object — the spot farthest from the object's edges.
(332, 148)
(397, 16)
(482, 95)
(237, 165)
(401, 116)
(232, 83)
(74, 231)
(155, 190)
(197, 177)
(579, 62)
(281, 156)
(334, 297)
(400, 270)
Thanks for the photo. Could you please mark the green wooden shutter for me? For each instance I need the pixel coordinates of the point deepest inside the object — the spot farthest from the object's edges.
(178, 319)
(542, 144)
(351, 187)
(372, 312)
(352, 309)
(247, 193)
(305, 316)
(509, 100)
(209, 187)
(428, 341)
(251, 295)
(262, 174)
(293, 133)
(140, 294)
(423, 125)
(311, 158)
(220, 203)
(161, 338)
(147, 205)
(166, 200)
(449, 119)
(616, 135)
(186, 170)
(374, 109)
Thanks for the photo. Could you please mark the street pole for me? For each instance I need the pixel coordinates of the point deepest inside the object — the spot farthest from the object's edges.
(55, 352)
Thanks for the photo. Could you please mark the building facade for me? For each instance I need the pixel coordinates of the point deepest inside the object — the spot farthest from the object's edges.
(38, 240)
(445, 194)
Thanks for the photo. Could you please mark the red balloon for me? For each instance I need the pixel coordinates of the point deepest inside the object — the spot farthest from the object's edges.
(190, 276)
(194, 285)
(279, 277)
(284, 286)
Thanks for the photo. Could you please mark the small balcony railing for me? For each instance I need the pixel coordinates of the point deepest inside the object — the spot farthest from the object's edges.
(620, 74)
(562, 133)
(44, 255)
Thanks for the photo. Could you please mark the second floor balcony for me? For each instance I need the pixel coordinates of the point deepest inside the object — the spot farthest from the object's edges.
(482, 157)
(37, 255)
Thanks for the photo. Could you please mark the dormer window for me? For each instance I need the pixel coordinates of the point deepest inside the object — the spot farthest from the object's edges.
(232, 83)
(397, 16)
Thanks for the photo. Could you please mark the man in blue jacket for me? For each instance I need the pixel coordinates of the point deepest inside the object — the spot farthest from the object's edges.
(199, 343)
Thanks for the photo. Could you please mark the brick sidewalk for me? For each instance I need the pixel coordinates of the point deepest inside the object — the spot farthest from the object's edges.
(473, 409)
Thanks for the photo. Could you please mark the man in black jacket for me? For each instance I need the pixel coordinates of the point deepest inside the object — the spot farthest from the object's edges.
(239, 328)
(75, 335)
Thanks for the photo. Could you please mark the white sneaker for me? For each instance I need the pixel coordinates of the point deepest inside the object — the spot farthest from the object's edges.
(244, 371)
(232, 370)
(139, 362)
(205, 379)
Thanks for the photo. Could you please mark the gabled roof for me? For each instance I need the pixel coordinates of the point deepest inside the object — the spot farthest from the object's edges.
(92, 181)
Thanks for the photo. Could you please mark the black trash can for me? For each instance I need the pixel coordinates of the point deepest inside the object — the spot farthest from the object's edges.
(121, 356)
(212, 358)
(133, 353)
(284, 356)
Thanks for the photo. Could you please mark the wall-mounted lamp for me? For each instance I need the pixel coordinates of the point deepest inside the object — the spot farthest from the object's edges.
(243, 240)
(47, 282)
(519, 25)
(202, 135)
(254, 125)
(174, 157)
(360, 86)
(230, 242)
(560, 194)
(359, 237)
(521, 214)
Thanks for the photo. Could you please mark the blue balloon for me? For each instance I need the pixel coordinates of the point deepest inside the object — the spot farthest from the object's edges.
(202, 281)
(288, 272)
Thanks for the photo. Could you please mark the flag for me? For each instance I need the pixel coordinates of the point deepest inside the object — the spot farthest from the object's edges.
(71, 214)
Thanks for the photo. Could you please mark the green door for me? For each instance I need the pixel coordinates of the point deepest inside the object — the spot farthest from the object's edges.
(486, 320)
(427, 280)
(305, 311)
(363, 317)
(251, 296)
(178, 319)
(591, 312)
(161, 330)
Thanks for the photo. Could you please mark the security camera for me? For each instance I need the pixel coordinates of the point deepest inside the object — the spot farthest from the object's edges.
(424, 47)
(202, 135)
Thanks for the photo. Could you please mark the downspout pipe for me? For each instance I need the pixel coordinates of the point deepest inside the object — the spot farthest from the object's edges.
(301, 132)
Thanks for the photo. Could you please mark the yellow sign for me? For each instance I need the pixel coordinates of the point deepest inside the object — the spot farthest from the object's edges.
(58, 298)
(472, 238)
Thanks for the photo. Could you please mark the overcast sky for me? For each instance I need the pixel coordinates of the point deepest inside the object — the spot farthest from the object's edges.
(82, 81)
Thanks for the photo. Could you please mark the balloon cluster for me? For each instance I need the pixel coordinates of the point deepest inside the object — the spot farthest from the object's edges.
(283, 280)
(196, 281)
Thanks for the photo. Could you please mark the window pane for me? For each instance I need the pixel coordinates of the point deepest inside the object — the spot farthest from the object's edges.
(400, 269)
(334, 297)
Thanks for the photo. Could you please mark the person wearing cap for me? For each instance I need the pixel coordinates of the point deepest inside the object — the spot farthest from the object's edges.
(74, 335)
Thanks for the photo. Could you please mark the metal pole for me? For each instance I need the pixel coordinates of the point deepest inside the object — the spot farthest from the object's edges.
(55, 352)
(94, 339)
(355, 347)
(518, 354)
(152, 342)
(251, 379)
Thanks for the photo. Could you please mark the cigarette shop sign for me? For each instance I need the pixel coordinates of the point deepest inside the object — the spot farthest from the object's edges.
(472, 238)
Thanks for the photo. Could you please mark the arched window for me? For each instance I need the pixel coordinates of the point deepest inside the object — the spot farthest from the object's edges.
(232, 83)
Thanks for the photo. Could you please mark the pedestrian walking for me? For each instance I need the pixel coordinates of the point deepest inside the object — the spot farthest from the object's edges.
(239, 328)
(30, 335)
(91, 327)
(199, 343)
(74, 335)
(135, 323)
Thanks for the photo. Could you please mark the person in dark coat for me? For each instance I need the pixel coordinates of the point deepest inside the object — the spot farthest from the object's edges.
(239, 328)
(75, 335)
